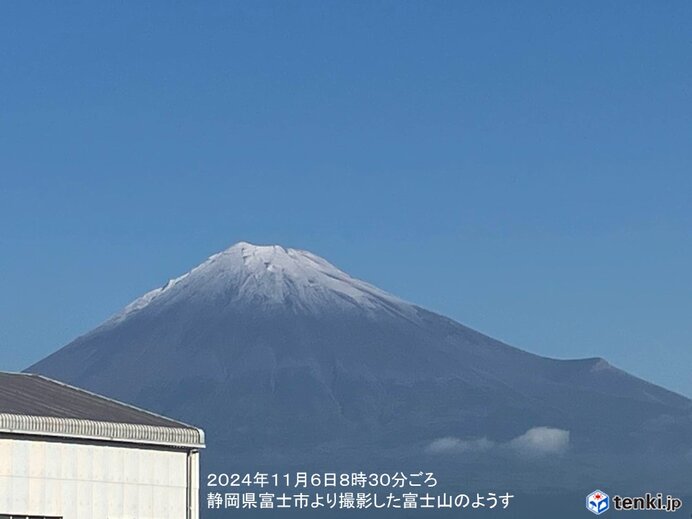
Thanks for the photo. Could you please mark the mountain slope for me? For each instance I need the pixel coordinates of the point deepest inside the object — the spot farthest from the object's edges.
(285, 359)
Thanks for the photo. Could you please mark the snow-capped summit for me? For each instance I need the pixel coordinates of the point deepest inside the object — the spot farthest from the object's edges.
(288, 361)
(272, 276)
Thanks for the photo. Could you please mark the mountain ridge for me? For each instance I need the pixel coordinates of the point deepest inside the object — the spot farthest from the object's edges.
(280, 355)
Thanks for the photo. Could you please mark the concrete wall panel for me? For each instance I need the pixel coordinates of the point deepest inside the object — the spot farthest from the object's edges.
(81, 481)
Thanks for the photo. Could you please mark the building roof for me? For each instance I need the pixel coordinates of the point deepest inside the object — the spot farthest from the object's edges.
(37, 405)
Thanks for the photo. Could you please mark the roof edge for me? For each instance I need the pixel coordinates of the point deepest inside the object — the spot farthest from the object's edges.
(102, 397)
(183, 437)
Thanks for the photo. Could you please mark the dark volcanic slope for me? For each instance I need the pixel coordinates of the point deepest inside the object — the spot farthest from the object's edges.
(284, 358)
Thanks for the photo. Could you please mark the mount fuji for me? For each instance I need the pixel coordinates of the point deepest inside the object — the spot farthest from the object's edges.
(289, 362)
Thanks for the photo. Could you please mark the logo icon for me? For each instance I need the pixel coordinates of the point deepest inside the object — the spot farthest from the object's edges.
(597, 502)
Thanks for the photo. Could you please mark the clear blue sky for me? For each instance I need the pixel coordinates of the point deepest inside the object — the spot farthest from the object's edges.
(525, 168)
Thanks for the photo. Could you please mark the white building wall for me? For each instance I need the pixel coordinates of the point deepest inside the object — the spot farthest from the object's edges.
(80, 481)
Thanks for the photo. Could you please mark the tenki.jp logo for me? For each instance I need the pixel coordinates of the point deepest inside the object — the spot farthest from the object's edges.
(597, 502)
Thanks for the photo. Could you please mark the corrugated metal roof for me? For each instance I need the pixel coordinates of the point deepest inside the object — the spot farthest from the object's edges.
(34, 404)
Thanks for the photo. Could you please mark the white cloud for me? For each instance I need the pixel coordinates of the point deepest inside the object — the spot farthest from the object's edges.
(540, 441)
(537, 442)
(457, 445)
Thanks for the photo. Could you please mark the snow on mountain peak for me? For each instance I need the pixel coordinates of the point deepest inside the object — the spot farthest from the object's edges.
(272, 276)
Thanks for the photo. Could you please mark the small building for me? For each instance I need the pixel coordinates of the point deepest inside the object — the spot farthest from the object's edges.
(66, 453)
